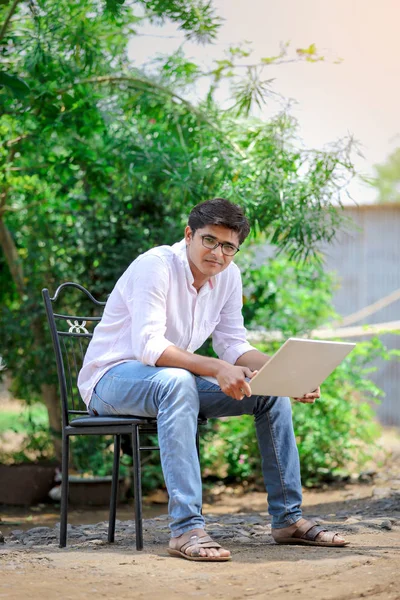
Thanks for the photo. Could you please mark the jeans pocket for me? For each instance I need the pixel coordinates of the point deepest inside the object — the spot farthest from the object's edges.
(103, 409)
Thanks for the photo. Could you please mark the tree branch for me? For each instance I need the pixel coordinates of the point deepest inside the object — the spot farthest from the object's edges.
(8, 18)
(158, 87)
(31, 168)
(12, 258)
(133, 80)
(17, 139)
(9, 208)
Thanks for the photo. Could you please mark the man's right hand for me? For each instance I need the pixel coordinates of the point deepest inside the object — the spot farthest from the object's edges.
(232, 381)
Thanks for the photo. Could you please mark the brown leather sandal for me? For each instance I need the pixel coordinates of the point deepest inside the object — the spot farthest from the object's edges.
(306, 534)
(194, 544)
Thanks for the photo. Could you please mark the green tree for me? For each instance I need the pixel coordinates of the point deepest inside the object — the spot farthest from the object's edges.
(100, 160)
(387, 178)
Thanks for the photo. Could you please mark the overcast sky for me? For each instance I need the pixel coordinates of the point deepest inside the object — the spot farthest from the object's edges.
(360, 96)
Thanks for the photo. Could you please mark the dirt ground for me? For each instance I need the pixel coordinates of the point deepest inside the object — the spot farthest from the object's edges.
(367, 513)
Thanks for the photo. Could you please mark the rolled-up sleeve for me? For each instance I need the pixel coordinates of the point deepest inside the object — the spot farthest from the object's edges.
(229, 337)
(146, 294)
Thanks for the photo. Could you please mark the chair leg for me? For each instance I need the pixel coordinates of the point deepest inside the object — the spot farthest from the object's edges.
(198, 442)
(114, 489)
(198, 452)
(137, 487)
(64, 491)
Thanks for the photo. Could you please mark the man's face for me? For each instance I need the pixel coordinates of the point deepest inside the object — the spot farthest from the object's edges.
(204, 261)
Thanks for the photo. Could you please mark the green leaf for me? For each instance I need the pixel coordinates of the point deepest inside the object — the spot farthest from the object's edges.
(114, 6)
(18, 86)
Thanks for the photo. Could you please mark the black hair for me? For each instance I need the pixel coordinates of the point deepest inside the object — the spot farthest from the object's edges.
(219, 211)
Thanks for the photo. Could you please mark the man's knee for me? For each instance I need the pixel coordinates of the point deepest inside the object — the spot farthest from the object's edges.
(178, 378)
(278, 404)
(179, 385)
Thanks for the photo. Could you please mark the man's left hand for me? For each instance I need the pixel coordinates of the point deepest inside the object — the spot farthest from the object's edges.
(309, 398)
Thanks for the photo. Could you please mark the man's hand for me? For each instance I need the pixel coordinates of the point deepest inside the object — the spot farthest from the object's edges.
(309, 398)
(232, 381)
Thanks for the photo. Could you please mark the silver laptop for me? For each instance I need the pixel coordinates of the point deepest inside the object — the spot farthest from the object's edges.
(299, 367)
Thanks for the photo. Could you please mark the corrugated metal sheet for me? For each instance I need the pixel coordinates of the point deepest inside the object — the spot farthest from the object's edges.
(366, 259)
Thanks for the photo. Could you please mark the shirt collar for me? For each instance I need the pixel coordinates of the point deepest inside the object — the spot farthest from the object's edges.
(180, 250)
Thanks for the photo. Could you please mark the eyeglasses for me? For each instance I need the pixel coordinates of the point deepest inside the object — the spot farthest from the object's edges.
(211, 243)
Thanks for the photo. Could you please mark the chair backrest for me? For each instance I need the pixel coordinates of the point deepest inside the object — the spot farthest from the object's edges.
(71, 333)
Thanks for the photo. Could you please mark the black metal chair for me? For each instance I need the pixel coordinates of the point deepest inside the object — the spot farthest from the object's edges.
(71, 335)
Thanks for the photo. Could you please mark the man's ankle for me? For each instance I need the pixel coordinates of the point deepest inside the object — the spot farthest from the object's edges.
(190, 532)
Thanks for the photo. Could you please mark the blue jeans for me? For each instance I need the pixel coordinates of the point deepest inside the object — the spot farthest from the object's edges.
(177, 398)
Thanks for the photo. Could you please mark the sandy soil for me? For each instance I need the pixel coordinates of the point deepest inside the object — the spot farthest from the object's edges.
(368, 568)
(369, 515)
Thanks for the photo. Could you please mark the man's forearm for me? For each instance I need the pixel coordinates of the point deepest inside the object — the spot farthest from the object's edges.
(199, 365)
(253, 359)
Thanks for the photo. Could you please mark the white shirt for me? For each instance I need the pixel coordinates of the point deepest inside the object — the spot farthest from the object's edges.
(154, 305)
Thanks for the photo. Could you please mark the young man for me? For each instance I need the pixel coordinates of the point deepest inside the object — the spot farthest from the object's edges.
(141, 362)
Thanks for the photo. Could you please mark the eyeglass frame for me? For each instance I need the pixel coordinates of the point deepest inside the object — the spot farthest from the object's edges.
(217, 243)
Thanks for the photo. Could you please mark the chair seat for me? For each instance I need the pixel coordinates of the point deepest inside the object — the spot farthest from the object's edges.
(89, 421)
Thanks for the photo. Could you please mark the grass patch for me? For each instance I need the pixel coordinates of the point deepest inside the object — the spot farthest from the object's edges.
(17, 421)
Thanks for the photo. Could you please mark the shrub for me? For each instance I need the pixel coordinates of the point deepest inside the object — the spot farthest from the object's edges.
(32, 424)
(337, 431)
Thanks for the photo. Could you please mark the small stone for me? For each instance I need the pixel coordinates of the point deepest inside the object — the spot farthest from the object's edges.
(381, 492)
(69, 526)
(39, 531)
(253, 520)
(17, 534)
(243, 532)
(367, 476)
(372, 523)
(234, 521)
(352, 520)
(386, 524)
(340, 514)
(262, 528)
(98, 542)
(263, 539)
(74, 535)
(242, 540)
(216, 534)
